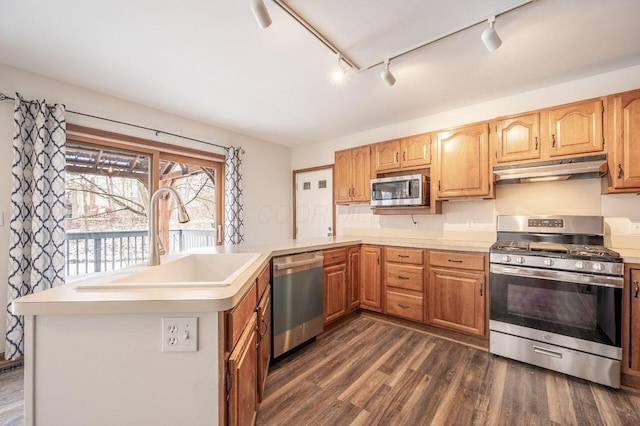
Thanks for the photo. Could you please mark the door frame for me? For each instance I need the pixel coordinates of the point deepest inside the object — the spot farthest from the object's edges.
(333, 204)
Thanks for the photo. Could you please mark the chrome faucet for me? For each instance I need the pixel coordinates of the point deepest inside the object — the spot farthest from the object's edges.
(154, 242)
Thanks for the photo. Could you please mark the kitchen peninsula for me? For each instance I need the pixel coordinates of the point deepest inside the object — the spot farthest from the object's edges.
(90, 347)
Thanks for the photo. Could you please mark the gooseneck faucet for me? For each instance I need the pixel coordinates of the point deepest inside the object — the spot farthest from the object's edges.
(183, 217)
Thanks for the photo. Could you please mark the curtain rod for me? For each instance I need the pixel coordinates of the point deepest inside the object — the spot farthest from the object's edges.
(4, 97)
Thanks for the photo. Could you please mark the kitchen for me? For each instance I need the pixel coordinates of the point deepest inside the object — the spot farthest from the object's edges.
(268, 165)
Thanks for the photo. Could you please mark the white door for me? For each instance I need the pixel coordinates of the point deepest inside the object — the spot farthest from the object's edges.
(314, 203)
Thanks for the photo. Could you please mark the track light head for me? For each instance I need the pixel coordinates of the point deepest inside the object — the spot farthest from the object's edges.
(340, 71)
(386, 75)
(261, 13)
(490, 37)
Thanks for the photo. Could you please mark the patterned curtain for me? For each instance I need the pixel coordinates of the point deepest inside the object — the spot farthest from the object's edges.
(36, 252)
(233, 225)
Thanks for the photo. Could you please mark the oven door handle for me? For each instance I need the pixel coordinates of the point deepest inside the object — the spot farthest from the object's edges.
(562, 276)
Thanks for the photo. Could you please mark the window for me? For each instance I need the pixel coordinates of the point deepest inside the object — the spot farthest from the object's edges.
(109, 184)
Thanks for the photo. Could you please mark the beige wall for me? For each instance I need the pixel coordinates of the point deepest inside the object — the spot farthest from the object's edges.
(266, 167)
(475, 219)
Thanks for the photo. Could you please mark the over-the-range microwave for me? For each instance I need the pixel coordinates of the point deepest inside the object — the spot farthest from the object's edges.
(411, 190)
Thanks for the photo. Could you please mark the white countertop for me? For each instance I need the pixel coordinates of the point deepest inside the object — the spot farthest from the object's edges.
(71, 300)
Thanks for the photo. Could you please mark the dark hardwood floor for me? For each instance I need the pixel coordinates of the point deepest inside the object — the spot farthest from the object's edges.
(372, 372)
(12, 397)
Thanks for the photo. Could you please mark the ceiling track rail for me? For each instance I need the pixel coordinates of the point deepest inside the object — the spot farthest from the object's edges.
(353, 64)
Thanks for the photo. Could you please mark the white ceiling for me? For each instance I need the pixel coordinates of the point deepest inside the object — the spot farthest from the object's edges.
(208, 60)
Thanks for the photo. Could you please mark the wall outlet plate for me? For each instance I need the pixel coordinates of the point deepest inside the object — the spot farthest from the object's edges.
(179, 334)
(634, 228)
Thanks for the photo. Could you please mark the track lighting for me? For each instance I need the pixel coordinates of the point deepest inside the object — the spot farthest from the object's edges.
(490, 37)
(340, 71)
(261, 13)
(386, 75)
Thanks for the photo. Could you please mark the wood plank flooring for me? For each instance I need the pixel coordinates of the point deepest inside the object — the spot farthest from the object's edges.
(12, 397)
(372, 372)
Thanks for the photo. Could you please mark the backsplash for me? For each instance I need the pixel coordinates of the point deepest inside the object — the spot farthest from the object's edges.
(475, 220)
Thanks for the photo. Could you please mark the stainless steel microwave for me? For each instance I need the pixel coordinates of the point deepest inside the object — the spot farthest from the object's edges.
(411, 190)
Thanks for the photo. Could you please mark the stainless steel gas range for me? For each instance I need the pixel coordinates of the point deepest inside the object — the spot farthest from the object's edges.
(556, 296)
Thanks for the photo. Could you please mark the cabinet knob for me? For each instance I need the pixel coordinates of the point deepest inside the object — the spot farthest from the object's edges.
(620, 171)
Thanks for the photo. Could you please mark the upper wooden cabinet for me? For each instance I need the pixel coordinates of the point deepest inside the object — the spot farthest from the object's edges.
(352, 175)
(518, 138)
(624, 160)
(576, 128)
(406, 153)
(463, 162)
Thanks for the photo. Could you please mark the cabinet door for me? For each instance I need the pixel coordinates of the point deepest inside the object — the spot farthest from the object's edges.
(457, 300)
(242, 404)
(361, 174)
(371, 290)
(576, 129)
(634, 321)
(342, 177)
(518, 138)
(335, 290)
(626, 128)
(463, 162)
(416, 150)
(353, 282)
(264, 346)
(386, 156)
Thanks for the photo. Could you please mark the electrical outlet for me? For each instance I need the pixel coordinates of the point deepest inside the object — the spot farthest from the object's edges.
(179, 334)
(415, 223)
(634, 228)
(470, 225)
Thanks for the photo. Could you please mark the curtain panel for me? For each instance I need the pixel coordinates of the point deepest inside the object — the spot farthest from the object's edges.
(36, 246)
(233, 211)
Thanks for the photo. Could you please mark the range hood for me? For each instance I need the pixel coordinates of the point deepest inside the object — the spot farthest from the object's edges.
(594, 166)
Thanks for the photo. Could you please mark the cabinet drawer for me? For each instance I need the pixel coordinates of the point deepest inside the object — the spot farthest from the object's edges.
(405, 255)
(239, 316)
(335, 256)
(405, 305)
(458, 260)
(263, 281)
(409, 277)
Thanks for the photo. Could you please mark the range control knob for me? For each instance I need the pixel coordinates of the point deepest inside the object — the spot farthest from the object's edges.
(519, 259)
(506, 258)
(579, 264)
(548, 262)
(598, 267)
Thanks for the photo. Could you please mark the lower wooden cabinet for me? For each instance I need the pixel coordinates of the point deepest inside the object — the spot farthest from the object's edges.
(242, 378)
(370, 278)
(457, 295)
(264, 339)
(404, 283)
(335, 292)
(353, 279)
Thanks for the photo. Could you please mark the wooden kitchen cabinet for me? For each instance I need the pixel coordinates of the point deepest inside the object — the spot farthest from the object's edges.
(242, 378)
(404, 283)
(576, 128)
(402, 154)
(335, 284)
(352, 175)
(353, 279)
(457, 291)
(518, 138)
(624, 156)
(463, 162)
(370, 278)
(631, 321)
(263, 312)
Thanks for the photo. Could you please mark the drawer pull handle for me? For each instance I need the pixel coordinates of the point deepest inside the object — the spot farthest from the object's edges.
(402, 277)
(335, 257)
(547, 352)
(455, 261)
(403, 306)
(635, 289)
(404, 256)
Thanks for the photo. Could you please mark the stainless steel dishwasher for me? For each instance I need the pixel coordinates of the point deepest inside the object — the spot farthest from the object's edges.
(297, 300)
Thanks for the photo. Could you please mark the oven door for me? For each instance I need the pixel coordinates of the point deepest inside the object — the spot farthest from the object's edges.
(580, 306)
